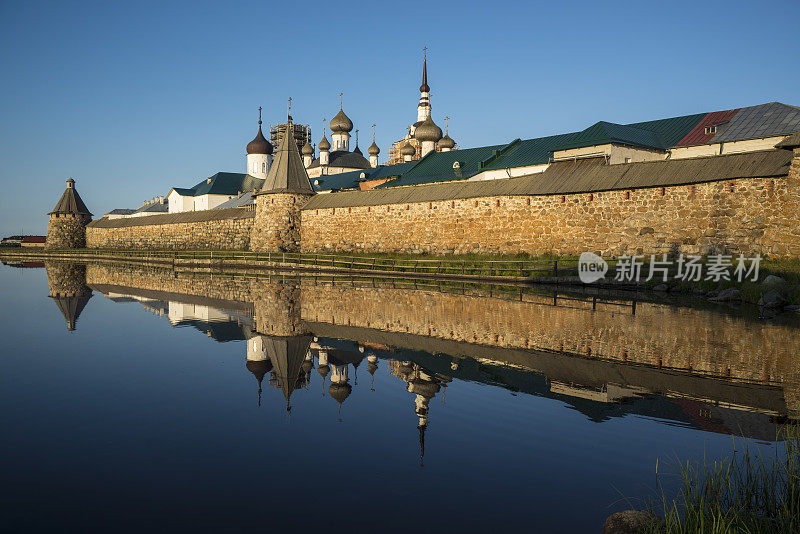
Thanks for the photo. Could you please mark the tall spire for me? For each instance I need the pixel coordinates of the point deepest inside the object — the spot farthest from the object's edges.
(424, 87)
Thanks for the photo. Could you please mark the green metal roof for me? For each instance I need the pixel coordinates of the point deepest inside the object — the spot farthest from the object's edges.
(338, 181)
(438, 166)
(602, 133)
(673, 129)
(224, 183)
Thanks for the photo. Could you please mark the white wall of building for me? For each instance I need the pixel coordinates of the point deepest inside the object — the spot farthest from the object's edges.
(258, 164)
(209, 202)
(509, 173)
(178, 203)
(616, 153)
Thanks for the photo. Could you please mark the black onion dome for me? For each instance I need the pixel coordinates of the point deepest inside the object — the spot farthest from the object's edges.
(428, 131)
(407, 150)
(373, 149)
(324, 144)
(357, 150)
(446, 142)
(259, 145)
(308, 150)
(341, 123)
(340, 391)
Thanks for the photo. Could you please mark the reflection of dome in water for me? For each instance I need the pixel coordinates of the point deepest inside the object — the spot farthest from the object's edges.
(324, 369)
(424, 388)
(340, 391)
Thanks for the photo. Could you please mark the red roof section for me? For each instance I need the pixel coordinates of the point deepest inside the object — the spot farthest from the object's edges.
(34, 239)
(697, 135)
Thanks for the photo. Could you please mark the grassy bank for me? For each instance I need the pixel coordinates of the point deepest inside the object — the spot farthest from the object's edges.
(748, 492)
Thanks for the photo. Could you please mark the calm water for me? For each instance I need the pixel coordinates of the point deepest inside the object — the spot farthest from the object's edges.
(380, 408)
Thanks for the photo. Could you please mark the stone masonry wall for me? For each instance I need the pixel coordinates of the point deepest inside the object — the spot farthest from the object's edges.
(746, 215)
(66, 231)
(277, 222)
(225, 234)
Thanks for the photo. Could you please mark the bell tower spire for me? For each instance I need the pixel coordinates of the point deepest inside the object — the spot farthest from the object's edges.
(424, 106)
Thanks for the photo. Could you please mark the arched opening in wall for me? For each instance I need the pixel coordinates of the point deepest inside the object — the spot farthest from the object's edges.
(408, 206)
(369, 208)
(497, 203)
(529, 201)
(333, 210)
(732, 187)
(693, 191)
(264, 167)
(452, 203)
(591, 197)
(663, 191)
(627, 195)
(771, 186)
(430, 205)
(388, 208)
(476, 203)
(349, 210)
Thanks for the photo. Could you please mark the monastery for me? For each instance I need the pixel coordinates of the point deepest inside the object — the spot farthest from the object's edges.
(725, 181)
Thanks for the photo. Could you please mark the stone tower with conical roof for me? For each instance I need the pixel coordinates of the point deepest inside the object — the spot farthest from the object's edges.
(276, 227)
(68, 220)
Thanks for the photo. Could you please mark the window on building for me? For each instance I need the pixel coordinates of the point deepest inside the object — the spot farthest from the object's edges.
(264, 167)
(710, 129)
(627, 159)
(663, 191)
(627, 195)
(733, 188)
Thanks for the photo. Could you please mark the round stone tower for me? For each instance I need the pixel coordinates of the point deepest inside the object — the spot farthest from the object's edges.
(276, 227)
(68, 220)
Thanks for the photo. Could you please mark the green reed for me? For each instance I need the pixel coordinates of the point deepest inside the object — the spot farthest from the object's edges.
(747, 492)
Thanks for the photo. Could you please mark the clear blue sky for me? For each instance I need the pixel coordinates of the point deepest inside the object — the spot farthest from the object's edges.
(132, 98)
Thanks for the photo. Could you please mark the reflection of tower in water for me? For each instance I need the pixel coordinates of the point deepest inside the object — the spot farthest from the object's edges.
(68, 289)
(258, 361)
(424, 386)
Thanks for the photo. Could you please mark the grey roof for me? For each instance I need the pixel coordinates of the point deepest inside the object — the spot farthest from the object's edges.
(70, 202)
(344, 159)
(154, 207)
(238, 202)
(756, 122)
(793, 141)
(174, 218)
(287, 355)
(72, 306)
(287, 173)
(576, 177)
(121, 211)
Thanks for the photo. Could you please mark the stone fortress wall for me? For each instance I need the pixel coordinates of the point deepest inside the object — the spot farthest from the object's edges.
(214, 229)
(744, 215)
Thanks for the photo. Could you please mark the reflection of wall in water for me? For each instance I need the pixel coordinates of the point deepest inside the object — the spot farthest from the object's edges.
(688, 339)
